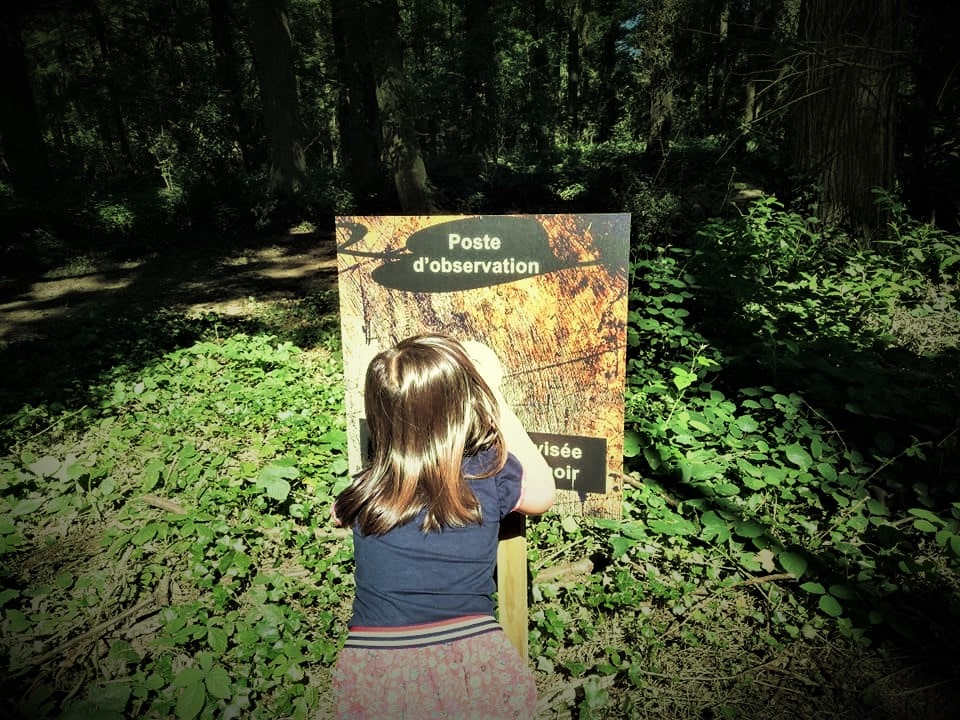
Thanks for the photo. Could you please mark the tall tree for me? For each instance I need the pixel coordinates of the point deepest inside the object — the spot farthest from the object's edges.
(24, 149)
(401, 146)
(228, 74)
(575, 74)
(542, 80)
(663, 24)
(608, 90)
(843, 120)
(273, 57)
(756, 59)
(358, 117)
(117, 124)
(479, 68)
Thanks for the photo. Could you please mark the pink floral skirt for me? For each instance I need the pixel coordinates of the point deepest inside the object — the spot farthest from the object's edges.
(481, 677)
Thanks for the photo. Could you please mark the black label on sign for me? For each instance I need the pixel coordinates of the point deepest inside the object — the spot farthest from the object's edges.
(579, 463)
(469, 253)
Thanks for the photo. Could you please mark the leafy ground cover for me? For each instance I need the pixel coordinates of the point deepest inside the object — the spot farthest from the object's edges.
(790, 546)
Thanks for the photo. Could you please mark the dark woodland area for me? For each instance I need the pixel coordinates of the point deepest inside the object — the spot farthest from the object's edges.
(171, 413)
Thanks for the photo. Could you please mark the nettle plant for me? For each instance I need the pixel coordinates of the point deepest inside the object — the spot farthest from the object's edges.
(165, 538)
(762, 404)
(181, 539)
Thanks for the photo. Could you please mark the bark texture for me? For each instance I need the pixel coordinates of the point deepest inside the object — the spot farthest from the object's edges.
(273, 59)
(400, 144)
(842, 127)
(358, 117)
(24, 149)
(228, 74)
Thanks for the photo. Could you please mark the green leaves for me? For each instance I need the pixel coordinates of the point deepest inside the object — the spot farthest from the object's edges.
(631, 444)
(191, 701)
(217, 639)
(790, 483)
(199, 685)
(830, 605)
(682, 378)
(829, 600)
(103, 702)
(47, 466)
(794, 563)
(715, 529)
(672, 524)
(757, 443)
(798, 456)
(621, 545)
(196, 468)
(273, 480)
(218, 682)
(748, 529)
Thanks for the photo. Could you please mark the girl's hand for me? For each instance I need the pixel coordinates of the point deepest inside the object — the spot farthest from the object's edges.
(486, 362)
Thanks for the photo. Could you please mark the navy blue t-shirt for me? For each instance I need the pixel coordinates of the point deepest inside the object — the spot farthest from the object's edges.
(408, 577)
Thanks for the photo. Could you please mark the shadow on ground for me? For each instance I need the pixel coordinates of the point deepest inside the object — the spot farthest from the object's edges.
(63, 328)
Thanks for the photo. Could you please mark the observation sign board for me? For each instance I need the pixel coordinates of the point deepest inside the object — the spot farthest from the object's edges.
(547, 293)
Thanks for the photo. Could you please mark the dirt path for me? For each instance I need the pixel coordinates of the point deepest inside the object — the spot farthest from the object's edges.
(192, 280)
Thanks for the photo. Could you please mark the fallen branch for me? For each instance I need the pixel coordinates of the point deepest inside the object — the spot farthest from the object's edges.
(161, 591)
(763, 579)
(564, 571)
(164, 504)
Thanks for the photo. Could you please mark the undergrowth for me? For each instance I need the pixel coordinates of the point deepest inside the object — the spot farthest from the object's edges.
(791, 503)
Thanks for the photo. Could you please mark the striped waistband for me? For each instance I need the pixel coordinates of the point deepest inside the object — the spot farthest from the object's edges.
(412, 636)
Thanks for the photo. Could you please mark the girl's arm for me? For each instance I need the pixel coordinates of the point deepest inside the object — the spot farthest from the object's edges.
(539, 488)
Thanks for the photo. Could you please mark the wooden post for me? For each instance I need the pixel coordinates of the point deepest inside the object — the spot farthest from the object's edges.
(512, 581)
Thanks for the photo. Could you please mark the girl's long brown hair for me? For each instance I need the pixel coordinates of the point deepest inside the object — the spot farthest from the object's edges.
(427, 407)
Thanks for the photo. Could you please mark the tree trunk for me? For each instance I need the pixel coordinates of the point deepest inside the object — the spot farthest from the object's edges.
(660, 45)
(929, 189)
(607, 95)
(719, 70)
(358, 117)
(401, 146)
(766, 85)
(574, 70)
(24, 150)
(540, 107)
(750, 109)
(479, 69)
(228, 75)
(272, 47)
(661, 113)
(842, 127)
(116, 122)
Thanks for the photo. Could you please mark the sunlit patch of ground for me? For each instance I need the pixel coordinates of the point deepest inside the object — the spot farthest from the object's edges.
(188, 280)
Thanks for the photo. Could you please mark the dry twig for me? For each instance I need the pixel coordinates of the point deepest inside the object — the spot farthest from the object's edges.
(158, 596)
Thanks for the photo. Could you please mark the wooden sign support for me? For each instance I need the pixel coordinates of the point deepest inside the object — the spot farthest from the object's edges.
(512, 581)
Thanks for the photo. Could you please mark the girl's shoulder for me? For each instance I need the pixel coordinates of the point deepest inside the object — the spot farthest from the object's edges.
(499, 493)
(485, 460)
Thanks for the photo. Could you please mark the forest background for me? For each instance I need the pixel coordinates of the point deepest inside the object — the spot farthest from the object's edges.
(791, 530)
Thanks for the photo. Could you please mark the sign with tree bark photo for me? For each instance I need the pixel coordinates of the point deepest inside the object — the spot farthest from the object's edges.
(546, 293)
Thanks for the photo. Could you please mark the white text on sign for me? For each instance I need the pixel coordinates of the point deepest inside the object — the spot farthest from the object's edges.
(486, 242)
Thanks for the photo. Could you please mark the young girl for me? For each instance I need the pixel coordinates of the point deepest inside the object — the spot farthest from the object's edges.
(449, 459)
